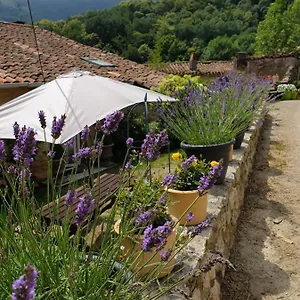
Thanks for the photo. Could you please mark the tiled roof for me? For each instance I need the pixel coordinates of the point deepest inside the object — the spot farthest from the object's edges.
(19, 58)
(203, 68)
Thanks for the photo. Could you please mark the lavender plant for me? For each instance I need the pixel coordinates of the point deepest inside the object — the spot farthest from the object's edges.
(218, 114)
(72, 267)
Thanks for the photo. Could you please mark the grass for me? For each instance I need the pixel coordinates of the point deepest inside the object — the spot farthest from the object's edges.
(160, 167)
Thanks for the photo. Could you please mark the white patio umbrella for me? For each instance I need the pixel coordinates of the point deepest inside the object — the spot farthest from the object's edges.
(83, 97)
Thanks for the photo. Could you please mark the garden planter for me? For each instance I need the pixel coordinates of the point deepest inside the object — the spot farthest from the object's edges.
(179, 202)
(107, 152)
(238, 140)
(231, 153)
(140, 258)
(211, 153)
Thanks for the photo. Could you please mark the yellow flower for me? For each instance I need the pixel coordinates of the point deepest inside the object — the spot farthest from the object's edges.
(176, 156)
(214, 163)
(194, 163)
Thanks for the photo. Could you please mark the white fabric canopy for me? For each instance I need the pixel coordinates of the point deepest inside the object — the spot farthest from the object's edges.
(83, 97)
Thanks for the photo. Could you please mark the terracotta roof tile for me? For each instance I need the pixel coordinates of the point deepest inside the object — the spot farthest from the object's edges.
(18, 56)
(203, 68)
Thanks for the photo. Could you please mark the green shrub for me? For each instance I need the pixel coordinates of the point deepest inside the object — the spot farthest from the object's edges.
(175, 85)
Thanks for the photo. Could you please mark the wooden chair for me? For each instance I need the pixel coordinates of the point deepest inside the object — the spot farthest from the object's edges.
(57, 211)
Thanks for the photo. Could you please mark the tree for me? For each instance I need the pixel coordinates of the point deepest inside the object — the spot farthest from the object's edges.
(46, 24)
(273, 33)
(220, 48)
(145, 53)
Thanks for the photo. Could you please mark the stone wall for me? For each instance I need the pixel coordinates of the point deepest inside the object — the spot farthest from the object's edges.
(286, 67)
(225, 202)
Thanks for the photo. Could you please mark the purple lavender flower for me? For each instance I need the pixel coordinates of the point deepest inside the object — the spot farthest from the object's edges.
(162, 199)
(152, 144)
(2, 150)
(156, 237)
(25, 146)
(84, 207)
(69, 143)
(196, 230)
(57, 126)
(51, 154)
(70, 197)
(168, 180)
(26, 174)
(145, 217)
(185, 165)
(111, 122)
(129, 142)
(97, 150)
(189, 216)
(24, 287)
(42, 118)
(85, 133)
(12, 170)
(165, 254)
(207, 182)
(98, 126)
(16, 129)
(128, 165)
(83, 153)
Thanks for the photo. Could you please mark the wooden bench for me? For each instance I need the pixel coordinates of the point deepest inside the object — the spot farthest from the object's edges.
(57, 211)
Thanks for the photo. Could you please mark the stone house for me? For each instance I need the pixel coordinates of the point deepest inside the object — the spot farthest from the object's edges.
(285, 66)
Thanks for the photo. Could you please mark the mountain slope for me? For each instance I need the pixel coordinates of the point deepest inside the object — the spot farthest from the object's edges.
(12, 10)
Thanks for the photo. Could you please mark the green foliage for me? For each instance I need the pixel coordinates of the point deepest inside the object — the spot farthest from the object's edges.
(91, 263)
(218, 114)
(175, 84)
(279, 32)
(289, 91)
(220, 48)
(165, 31)
(188, 178)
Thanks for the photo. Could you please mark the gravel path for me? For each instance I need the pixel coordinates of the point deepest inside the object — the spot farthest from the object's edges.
(267, 248)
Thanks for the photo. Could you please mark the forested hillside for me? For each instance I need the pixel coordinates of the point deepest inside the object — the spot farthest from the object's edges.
(13, 10)
(168, 30)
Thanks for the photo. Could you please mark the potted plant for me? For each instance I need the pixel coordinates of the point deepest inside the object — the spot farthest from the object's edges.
(150, 243)
(289, 91)
(207, 121)
(147, 229)
(187, 191)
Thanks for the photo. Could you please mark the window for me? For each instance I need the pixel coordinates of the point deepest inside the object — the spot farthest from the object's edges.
(97, 62)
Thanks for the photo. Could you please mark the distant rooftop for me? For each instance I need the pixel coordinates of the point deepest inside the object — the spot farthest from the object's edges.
(209, 68)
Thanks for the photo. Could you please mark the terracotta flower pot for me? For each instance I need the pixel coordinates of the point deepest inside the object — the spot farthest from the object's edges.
(231, 153)
(181, 200)
(134, 249)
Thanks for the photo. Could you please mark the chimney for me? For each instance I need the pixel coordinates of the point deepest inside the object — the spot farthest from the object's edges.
(193, 62)
(240, 62)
